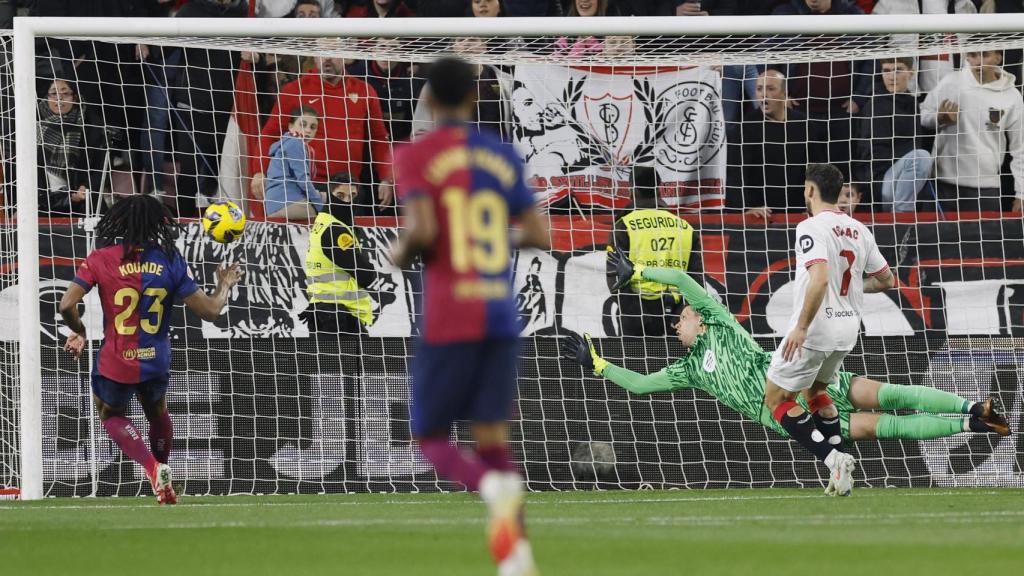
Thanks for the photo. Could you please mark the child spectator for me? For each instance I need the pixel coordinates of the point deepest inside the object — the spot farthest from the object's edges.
(307, 9)
(486, 8)
(290, 192)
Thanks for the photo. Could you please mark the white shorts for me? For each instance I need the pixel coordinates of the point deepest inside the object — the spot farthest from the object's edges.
(806, 368)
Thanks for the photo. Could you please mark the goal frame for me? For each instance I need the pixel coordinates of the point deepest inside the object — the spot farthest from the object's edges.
(27, 29)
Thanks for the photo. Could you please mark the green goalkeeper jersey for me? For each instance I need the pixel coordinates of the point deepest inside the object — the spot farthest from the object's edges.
(725, 361)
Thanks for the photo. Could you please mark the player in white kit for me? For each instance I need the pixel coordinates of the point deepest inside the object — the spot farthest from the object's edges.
(834, 253)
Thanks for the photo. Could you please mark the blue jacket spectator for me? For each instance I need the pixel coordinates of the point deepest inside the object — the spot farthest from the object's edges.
(289, 191)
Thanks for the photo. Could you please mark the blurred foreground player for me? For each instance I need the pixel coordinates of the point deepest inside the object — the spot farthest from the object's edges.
(140, 274)
(459, 190)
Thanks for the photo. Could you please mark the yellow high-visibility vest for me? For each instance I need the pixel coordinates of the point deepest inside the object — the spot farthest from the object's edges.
(327, 282)
(657, 238)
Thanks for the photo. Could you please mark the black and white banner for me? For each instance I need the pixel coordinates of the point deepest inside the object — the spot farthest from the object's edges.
(581, 131)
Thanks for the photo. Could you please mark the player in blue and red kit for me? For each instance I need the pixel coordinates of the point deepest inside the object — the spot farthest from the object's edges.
(460, 189)
(140, 274)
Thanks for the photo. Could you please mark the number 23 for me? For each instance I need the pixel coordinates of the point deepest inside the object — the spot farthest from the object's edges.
(129, 298)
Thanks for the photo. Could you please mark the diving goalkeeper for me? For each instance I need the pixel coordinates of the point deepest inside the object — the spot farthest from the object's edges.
(725, 361)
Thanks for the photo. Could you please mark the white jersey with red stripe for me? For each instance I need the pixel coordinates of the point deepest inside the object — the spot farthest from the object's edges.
(849, 251)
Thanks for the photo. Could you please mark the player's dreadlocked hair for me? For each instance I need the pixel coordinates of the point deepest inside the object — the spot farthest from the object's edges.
(138, 221)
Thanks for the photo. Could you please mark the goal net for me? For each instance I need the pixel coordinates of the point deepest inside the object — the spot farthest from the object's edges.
(714, 121)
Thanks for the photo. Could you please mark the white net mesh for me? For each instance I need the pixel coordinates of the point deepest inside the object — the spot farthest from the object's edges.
(9, 380)
(279, 395)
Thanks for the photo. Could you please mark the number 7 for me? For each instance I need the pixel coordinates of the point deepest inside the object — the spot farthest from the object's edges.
(847, 275)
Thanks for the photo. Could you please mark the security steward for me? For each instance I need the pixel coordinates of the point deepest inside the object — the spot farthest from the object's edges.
(337, 269)
(655, 237)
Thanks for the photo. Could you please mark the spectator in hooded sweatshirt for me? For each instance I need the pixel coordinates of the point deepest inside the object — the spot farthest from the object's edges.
(977, 114)
(888, 139)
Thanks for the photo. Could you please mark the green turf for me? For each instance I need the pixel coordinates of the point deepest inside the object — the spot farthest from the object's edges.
(875, 532)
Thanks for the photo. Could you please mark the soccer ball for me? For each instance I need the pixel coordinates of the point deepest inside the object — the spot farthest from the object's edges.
(224, 221)
(593, 461)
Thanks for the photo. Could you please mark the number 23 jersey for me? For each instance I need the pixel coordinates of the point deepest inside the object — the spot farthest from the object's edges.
(849, 251)
(136, 296)
(475, 183)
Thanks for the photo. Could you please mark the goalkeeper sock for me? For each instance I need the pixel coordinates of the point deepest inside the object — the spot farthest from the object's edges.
(161, 436)
(496, 457)
(450, 463)
(919, 426)
(829, 427)
(801, 428)
(127, 437)
(923, 398)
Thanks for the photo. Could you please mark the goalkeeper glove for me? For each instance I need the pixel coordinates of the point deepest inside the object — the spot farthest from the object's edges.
(625, 270)
(581, 350)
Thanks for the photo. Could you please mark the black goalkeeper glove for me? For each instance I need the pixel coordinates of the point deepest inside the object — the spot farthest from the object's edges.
(581, 350)
(625, 270)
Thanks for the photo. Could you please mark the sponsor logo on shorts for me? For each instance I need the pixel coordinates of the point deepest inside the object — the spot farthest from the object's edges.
(833, 313)
(709, 361)
(139, 353)
(805, 243)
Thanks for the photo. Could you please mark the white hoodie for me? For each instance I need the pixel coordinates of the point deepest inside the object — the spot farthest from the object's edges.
(969, 152)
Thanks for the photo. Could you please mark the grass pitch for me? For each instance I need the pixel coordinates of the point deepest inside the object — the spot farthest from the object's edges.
(884, 532)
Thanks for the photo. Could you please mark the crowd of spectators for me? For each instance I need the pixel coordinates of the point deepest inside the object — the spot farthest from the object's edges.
(192, 124)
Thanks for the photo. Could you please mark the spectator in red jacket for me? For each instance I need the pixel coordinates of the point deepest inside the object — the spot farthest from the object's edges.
(350, 118)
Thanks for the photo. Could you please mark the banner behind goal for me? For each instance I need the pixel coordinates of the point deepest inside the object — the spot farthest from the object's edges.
(199, 111)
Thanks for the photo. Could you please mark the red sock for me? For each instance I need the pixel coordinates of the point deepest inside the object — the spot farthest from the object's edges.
(127, 437)
(496, 457)
(450, 463)
(161, 436)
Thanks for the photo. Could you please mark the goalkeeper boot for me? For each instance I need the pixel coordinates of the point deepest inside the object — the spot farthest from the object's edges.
(161, 482)
(503, 493)
(994, 416)
(842, 467)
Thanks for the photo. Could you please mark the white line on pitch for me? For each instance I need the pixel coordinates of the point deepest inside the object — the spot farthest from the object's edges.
(677, 521)
(614, 498)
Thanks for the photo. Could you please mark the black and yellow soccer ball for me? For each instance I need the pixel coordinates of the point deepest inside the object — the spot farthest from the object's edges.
(224, 221)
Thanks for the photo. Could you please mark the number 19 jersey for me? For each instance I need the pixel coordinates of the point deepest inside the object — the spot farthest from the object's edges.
(849, 250)
(475, 183)
(136, 296)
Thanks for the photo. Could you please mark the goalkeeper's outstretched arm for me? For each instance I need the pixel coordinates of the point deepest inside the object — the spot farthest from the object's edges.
(581, 350)
(638, 383)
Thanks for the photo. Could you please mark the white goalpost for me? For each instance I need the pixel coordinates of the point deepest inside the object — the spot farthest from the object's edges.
(261, 404)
